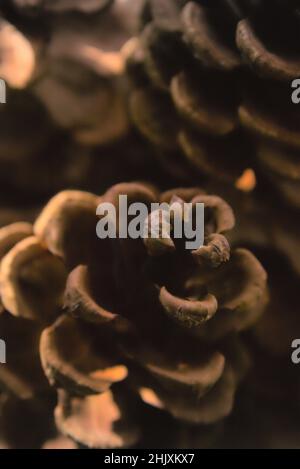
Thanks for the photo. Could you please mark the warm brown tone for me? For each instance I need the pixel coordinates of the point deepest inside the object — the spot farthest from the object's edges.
(226, 67)
(136, 322)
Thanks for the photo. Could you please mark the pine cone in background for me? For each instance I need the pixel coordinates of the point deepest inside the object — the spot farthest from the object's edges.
(147, 346)
(33, 150)
(212, 90)
(65, 104)
(214, 79)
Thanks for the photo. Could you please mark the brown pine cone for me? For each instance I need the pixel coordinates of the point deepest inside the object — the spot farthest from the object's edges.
(75, 64)
(147, 334)
(214, 79)
(63, 68)
(269, 400)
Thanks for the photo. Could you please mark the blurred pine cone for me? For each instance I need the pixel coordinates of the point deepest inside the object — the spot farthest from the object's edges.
(73, 63)
(63, 68)
(214, 79)
(146, 346)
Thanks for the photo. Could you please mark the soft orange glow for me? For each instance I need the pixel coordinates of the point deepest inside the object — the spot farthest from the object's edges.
(129, 48)
(109, 63)
(247, 181)
(113, 374)
(17, 62)
(61, 442)
(149, 397)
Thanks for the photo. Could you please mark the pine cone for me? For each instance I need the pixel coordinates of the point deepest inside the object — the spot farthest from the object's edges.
(215, 81)
(76, 65)
(147, 333)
